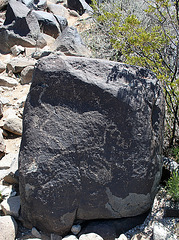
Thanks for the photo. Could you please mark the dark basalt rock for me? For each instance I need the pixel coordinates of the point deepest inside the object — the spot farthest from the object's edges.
(91, 144)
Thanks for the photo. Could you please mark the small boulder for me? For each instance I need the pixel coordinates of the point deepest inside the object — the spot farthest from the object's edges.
(11, 206)
(26, 74)
(63, 23)
(80, 6)
(35, 4)
(13, 125)
(16, 50)
(7, 81)
(48, 23)
(70, 43)
(16, 65)
(90, 236)
(58, 9)
(8, 228)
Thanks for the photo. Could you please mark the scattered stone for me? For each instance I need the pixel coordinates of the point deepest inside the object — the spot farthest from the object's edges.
(48, 23)
(41, 53)
(161, 232)
(76, 229)
(2, 147)
(36, 233)
(13, 125)
(18, 64)
(8, 228)
(3, 4)
(55, 237)
(13, 167)
(20, 28)
(122, 237)
(11, 178)
(70, 43)
(37, 5)
(16, 50)
(58, 9)
(70, 237)
(7, 81)
(26, 74)
(90, 236)
(74, 13)
(63, 23)
(11, 206)
(2, 67)
(79, 5)
(5, 190)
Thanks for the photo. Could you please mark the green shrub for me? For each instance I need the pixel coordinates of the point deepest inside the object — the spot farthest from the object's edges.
(173, 186)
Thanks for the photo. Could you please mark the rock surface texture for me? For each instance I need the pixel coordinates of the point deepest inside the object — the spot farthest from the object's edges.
(91, 144)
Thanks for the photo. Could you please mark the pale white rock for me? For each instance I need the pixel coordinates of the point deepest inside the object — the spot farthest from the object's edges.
(13, 125)
(70, 237)
(2, 67)
(7, 81)
(11, 206)
(6, 190)
(35, 232)
(90, 236)
(21, 101)
(29, 51)
(76, 229)
(13, 167)
(8, 228)
(121, 237)
(5, 163)
(26, 74)
(160, 232)
(16, 65)
(17, 49)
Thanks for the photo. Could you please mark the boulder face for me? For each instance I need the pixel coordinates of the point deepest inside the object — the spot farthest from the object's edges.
(91, 144)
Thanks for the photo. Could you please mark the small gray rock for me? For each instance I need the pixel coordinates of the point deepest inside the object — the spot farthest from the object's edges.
(13, 125)
(16, 65)
(11, 206)
(26, 74)
(76, 229)
(7, 81)
(36, 233)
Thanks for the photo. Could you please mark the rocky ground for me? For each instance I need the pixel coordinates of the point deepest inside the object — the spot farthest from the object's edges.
(14, 87)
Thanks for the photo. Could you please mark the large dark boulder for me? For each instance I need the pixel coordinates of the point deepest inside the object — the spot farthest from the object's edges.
(91, 144)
